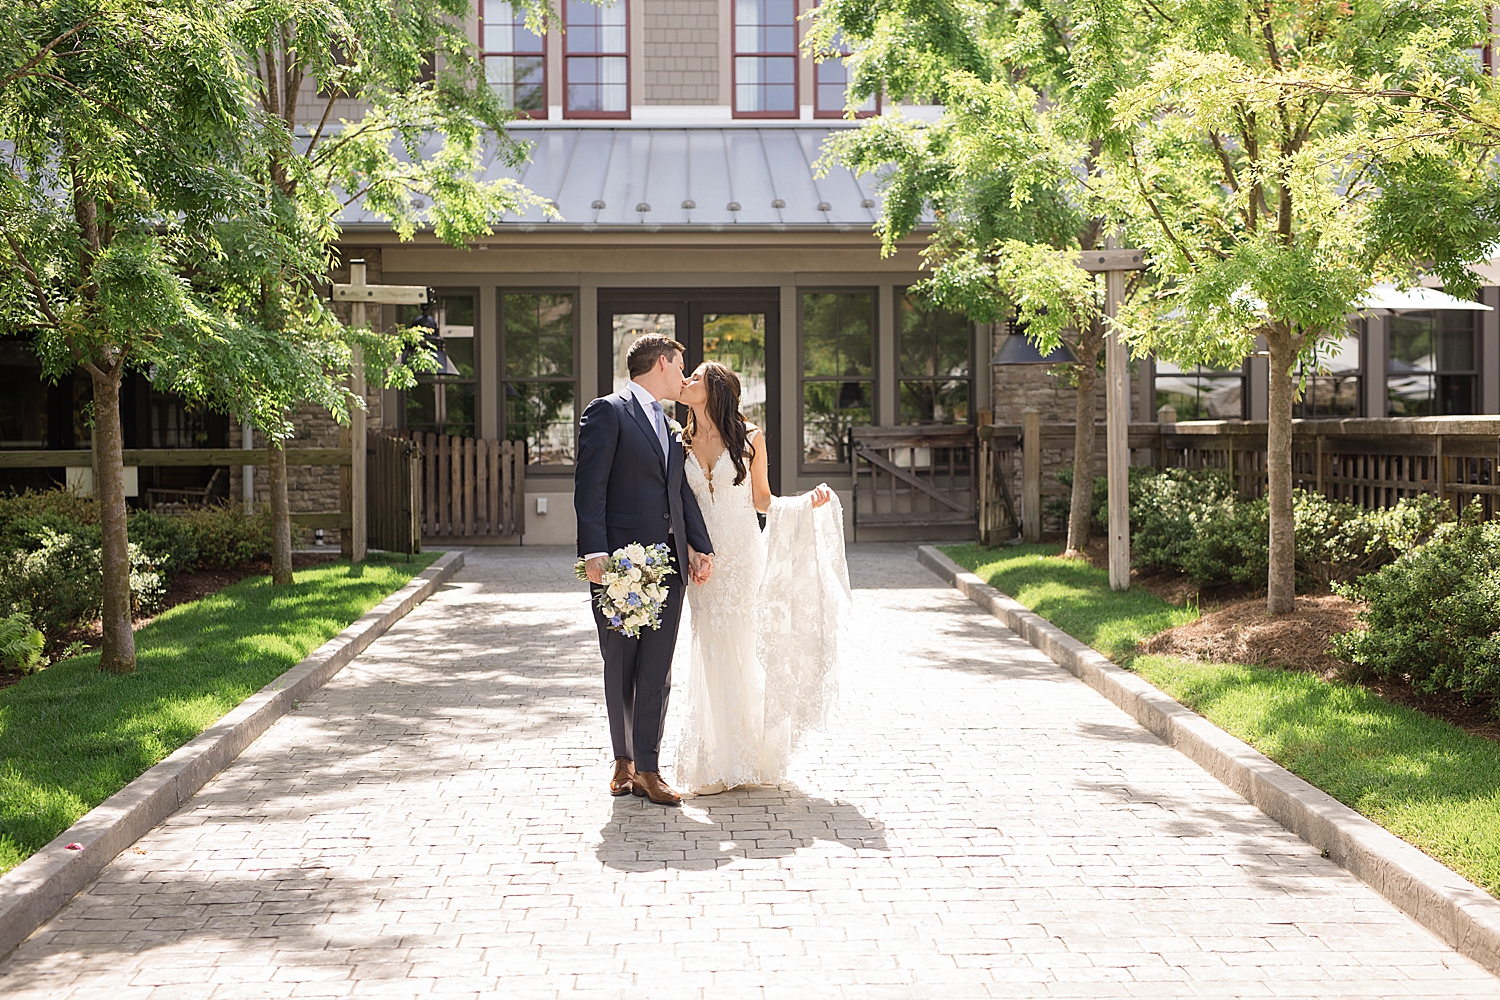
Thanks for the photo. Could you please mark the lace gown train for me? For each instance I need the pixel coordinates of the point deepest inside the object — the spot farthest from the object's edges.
(736, 729)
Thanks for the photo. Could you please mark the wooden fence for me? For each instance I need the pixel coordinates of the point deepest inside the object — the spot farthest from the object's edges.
(394, 495)
(1371, 462)
(471, 488)
(913, 477)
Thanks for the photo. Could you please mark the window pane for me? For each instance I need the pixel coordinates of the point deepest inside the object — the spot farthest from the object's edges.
(517, 81)
(933, 341)
(23, 404)
(1455, 394)
(1330, 397)
(935, 402)
(630, 327)
(1410, 395)
(595, 29)
(1201, 397)
(596, 83)
(765, 26)
(460, 351)
(505, 30)
(765, 83)
(837, 334)
(1456, 343)
(829, 409)
(441, 407)
(541, 414)
(1411, 347)
(538, 334)
(739, 341)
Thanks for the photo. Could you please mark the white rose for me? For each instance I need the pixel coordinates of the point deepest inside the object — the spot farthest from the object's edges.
(617, 590)
(635, 575)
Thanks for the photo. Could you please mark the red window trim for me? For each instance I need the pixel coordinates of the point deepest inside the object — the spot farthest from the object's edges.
(734, 67)
(484, 53)
(567, 112)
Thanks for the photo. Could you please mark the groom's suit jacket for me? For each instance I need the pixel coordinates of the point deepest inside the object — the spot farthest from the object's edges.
(625, 491)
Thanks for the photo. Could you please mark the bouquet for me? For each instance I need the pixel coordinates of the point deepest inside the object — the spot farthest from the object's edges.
(633, 593)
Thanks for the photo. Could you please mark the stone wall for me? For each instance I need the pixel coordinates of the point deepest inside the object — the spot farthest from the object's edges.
(314, 488)
(1016, 387)
(681, 62)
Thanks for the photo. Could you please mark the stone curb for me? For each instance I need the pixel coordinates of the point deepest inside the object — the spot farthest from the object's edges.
(1460, 913)
(41, 885)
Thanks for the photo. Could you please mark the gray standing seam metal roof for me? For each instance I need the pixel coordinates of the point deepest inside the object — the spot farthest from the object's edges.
(635, 176)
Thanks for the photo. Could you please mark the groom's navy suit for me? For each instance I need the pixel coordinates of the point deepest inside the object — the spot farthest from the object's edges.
(625, 490)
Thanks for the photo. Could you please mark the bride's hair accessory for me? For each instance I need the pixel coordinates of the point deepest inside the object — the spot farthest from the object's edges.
(723, 409)
(632, 594)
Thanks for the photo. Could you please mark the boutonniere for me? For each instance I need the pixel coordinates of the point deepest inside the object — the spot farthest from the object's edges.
(673, 426)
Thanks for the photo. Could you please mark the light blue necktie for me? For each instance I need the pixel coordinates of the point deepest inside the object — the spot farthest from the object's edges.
(659, 421)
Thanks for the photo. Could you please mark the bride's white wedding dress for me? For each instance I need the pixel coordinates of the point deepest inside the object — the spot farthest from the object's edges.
(764, 632)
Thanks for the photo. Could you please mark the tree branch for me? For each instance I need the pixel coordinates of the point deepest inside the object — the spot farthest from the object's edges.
(42, 53)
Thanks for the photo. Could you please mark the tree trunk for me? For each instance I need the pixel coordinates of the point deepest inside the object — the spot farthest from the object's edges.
(1281, 581)
(281, 516)
(1080, 507)
(118, 655)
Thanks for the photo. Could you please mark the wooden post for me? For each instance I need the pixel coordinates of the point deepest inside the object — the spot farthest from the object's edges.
(1031, 474)
(353, 486)
(1117, 435)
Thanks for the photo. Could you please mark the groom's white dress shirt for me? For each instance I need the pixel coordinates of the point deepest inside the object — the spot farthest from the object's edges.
(658, 418)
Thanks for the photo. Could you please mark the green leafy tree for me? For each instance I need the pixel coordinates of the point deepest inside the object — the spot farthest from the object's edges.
(1274, 158)
(1009, 171)
(120, 122)
(413, 157)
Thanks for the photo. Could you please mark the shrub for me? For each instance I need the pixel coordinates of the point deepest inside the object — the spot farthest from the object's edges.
(167, 540)
(53, 575)
(59, 503)
(226, 538)
(21, 645)
(1433, 615)
(1168, 509)
(1338, 542)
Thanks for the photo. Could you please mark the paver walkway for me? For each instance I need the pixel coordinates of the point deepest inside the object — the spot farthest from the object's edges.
(435, 823)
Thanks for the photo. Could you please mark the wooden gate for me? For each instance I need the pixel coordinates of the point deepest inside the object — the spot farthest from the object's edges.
(913, 477)
(472, 488)
(394, 495)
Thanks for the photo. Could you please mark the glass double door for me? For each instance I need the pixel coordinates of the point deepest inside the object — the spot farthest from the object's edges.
(739, 328)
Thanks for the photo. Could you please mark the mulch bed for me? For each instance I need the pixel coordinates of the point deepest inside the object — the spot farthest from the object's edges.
(1235, 628)
(187, 587)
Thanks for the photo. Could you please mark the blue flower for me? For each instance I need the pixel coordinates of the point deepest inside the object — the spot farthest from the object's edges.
(633, 599)
(614, 620)
(625, 563)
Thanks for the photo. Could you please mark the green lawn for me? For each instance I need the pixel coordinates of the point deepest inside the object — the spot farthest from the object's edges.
(71, 736)
(1424, 780)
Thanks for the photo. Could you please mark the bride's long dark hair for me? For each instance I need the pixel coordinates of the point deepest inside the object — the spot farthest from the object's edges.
(723, 409)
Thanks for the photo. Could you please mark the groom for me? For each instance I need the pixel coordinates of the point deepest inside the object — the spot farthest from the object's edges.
(628, 486)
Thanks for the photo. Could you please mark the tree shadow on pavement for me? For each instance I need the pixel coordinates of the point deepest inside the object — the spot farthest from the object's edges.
(710, 831)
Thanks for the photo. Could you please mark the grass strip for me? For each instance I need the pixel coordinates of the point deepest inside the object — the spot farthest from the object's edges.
(1421, 778)
(71, 736)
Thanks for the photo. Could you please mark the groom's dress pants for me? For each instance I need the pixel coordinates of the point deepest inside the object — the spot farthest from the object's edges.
(638, 680)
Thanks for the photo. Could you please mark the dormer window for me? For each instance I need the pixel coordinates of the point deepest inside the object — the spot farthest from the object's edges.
(515, 58)
(596, 60)
(765, 58)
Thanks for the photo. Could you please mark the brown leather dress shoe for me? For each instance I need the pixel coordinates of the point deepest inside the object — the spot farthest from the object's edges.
(649, 784)
(624, 778)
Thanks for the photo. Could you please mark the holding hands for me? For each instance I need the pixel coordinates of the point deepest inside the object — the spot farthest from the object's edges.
(700, 565)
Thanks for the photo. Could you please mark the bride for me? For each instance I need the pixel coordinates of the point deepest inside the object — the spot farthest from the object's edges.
(765, 625)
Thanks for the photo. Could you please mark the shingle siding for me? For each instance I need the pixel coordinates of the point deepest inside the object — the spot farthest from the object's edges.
(681, 62)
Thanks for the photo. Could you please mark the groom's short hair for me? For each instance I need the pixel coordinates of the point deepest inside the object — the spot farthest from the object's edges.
(643, 353)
